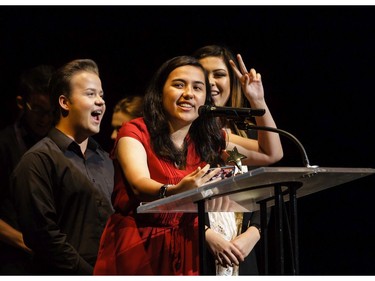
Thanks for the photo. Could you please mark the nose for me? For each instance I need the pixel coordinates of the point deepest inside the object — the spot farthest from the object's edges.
(99, 99)
(188, 92)
(211, 79)
(114, 135)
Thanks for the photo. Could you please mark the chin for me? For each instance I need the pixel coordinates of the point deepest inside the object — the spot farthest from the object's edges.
(217, 101)
(94, 130)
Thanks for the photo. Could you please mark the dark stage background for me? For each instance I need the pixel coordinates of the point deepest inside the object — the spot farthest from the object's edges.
(317, 65)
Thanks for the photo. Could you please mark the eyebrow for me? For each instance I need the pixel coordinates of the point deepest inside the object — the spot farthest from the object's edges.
(199, 82)
(95, 90)
(183, 80)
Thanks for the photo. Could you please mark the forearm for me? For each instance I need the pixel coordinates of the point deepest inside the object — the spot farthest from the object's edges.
(246, 241)
(12, 236)
(269, 143)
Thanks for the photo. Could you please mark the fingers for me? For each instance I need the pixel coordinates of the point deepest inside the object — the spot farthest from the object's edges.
(224, 260)
(242, 73)
(211, 205)
(253, 75)
(229, 255)
(197, 178)
(219, 204)
(202, 175)
(210, 177)
(241, 64)
(210, 173)
(227, 259)
(225, 204)
(199, 172)
(235, 69)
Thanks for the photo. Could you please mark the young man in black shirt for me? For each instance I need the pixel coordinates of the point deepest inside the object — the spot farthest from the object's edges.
(62, 185)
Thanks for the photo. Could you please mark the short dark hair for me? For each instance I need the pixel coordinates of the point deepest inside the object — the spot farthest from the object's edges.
(60, 82)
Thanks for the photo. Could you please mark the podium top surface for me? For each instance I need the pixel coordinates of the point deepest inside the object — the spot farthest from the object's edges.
(243, 192)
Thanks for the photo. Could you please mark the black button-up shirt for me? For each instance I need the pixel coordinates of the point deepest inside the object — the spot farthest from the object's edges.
(62, 198)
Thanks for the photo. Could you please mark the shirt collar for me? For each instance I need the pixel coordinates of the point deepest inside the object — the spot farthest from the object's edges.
(65, 143)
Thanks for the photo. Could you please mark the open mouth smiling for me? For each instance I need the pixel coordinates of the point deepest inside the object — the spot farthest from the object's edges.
(96, 114)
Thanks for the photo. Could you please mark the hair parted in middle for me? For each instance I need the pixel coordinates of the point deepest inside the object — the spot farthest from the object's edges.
(205, 133)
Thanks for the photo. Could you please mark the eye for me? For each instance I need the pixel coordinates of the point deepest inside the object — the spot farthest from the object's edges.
(198, 88)
(178, 85)
(220, 74)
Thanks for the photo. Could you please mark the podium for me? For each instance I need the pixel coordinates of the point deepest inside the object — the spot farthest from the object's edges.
(255, 190)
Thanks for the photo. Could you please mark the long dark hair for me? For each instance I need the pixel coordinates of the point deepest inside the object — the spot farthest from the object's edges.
(236, 97)
(206, 133)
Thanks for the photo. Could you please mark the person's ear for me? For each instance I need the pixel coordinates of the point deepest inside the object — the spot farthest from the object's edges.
(64, 102)
(20, 102)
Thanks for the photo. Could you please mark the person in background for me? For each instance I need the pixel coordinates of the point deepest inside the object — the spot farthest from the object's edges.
(61, 187)
(33, 122)
(125, 110)
(229, 85)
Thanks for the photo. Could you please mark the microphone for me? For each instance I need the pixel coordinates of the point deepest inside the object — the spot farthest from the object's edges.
(229, 112)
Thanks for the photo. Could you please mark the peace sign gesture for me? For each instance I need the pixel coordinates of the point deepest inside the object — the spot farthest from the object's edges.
(251, 81)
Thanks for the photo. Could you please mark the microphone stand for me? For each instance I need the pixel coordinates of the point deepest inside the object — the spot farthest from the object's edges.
(280, 207)
(242, 125)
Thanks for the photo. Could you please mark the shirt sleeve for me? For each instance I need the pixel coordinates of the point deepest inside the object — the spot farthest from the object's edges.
(134, 129)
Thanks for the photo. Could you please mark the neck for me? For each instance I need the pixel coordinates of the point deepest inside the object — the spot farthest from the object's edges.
(82, 141)
(178, 137)
(83, 146)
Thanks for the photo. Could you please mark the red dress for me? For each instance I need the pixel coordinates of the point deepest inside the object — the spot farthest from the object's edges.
(149, 244)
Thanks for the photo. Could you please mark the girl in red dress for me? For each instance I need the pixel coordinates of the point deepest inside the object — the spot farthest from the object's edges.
(163, 153)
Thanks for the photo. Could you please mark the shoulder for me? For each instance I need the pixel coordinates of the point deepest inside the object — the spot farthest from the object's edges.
(46, 148)
(45, 144)
(135, 128)
(39, 161)
(135, 123)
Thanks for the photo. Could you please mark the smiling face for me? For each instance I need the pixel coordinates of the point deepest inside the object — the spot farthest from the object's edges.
(85, 106)
(183, 93)
(218, 74)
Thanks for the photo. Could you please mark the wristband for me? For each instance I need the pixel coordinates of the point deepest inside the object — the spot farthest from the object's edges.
(163, 190)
